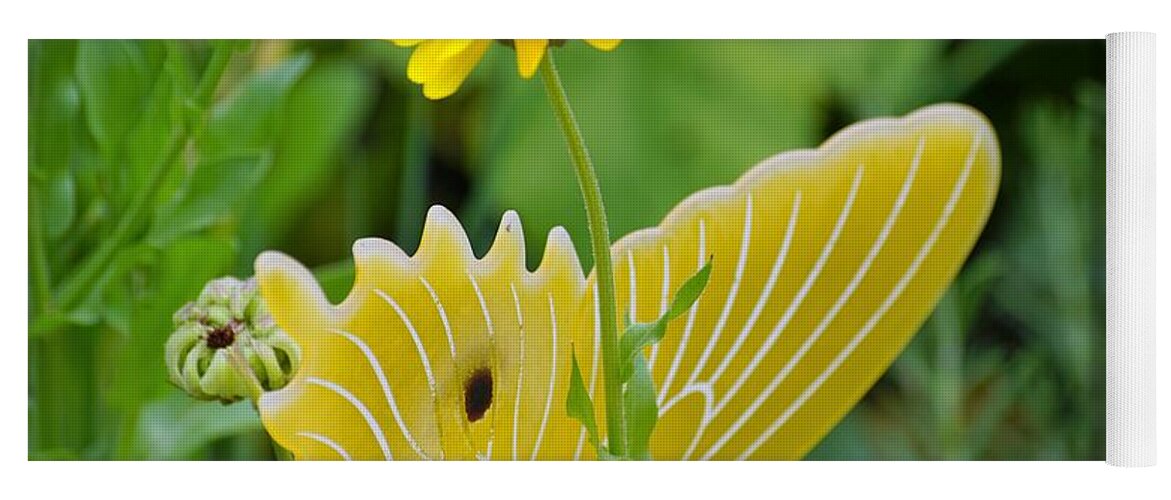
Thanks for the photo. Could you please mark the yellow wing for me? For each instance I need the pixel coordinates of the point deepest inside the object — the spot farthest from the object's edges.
(825, 263)
(435, 356)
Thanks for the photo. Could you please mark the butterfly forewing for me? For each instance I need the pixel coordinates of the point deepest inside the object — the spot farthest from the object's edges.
(435, 356)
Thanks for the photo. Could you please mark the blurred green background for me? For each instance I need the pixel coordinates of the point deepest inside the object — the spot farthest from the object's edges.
(155, 166)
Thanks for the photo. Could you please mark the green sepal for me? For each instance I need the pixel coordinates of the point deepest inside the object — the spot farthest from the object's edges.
(259, 357)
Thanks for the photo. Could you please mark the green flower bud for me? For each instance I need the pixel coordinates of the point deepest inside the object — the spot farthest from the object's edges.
(227, 347)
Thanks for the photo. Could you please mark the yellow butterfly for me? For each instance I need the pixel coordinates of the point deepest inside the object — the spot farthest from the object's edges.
(825, 263)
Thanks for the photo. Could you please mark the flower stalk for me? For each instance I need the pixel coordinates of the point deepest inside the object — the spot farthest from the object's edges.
(600, 242)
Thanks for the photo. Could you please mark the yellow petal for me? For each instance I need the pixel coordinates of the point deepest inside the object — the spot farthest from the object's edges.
(431, 57)
(454, 69)
(528, 55)
(825, 263)
(605, 45)
(406, 43)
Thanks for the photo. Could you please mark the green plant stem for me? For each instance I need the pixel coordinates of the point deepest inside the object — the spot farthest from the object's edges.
(600, 238)
(39, 260)
(61, 399)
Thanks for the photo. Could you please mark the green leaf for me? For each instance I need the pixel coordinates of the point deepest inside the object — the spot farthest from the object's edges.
(54, 103)
(634, 338)
(127, 98)
(60, 195)
(247, 122)
(156, 129)
(642, 412)
(689, 292)
(116, 78)
(54, 106)
(580, 407)
(639, 335)
(212, 191)
(178, 427)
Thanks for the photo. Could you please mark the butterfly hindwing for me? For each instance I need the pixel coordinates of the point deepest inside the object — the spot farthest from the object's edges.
(825, 263)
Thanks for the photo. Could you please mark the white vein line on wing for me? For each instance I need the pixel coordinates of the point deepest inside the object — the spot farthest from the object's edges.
(594, 365)
(830, 315)
(700, 259)
(847, 207)
(552, 378)
(483, 307)
(357, 404)
(663, 302)
(520, 372)
(953, 199)
(719, 328)
(337, 448)
(386, 392)
(442, 315)
(765, 294)
(414, 337)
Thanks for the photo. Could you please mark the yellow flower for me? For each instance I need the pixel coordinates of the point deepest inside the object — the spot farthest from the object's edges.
(825, 263)
(440, 66)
